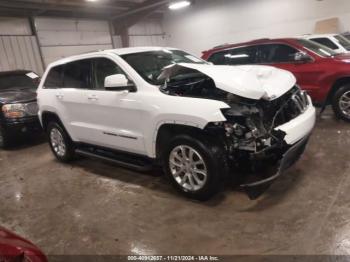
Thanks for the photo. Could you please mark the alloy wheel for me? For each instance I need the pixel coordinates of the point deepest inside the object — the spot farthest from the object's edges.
(57, 142)
(344, 103)
(188, 168)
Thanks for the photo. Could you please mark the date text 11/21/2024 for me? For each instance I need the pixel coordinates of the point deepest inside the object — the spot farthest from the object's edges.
(173, 258)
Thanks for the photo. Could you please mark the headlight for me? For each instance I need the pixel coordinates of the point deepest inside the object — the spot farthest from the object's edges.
(14, 110)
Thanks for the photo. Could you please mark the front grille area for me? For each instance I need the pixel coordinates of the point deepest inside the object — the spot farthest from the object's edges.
(285, 108)
(32, 109)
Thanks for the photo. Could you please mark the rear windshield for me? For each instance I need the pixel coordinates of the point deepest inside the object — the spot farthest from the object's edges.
(19, 81)
(319, 49)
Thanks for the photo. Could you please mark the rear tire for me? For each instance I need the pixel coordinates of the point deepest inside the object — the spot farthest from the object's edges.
(4, 138)
(341, 103)
(60, 143)
(195, 168)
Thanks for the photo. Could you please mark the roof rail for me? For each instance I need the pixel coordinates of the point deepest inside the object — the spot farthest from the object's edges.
(261, 39)
(223, 45)
(256, 40)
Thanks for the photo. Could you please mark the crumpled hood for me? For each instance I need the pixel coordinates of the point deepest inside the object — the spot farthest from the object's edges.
(11, 96)
(250, 81)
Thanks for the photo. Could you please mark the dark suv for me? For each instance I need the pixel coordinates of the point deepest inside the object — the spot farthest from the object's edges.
(324, 74)
(18, 105)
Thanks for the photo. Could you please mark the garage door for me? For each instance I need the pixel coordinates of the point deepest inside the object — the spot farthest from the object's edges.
(20, 52)
(60, 38)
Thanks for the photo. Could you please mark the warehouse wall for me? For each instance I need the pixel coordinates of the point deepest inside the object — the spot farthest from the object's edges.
(18, 48)
(60, 38)
(147, 33)
(14, 26)
(209, 23)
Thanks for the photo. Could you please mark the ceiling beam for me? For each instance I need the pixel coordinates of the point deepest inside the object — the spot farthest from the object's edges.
(145, 6)
(124, 4)
(61, 6)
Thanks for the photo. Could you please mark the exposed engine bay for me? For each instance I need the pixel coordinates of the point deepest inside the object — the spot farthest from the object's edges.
(250, 127)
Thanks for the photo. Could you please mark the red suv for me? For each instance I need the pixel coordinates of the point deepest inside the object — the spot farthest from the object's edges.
(324, 74)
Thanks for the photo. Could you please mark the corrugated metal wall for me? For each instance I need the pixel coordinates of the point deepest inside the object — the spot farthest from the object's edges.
(18, 48)
(20, 52)
(147, 33)
(60, 38)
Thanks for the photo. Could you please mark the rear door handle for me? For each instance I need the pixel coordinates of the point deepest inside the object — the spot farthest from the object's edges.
(92, 97)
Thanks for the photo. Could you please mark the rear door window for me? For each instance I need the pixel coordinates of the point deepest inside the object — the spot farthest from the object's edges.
(276, 53)
(326, 42)
(237, 56)
(78, 74)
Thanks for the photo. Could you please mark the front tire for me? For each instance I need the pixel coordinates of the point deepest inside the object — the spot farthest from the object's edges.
(195, 168)
(341, 103)
(60, 143)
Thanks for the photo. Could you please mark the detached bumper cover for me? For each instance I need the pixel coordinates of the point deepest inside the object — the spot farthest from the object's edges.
(255, 189)
(300, 126)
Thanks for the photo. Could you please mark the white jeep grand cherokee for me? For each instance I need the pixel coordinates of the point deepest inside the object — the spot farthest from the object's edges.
(141, 106)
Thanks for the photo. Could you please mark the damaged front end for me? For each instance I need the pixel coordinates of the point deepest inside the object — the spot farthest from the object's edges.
(250, 134)
(254, 142)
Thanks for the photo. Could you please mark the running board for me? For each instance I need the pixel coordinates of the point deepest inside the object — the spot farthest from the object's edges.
(138, 165)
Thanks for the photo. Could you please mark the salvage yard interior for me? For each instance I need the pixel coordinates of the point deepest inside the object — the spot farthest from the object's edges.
(94, 208)
(114, 141)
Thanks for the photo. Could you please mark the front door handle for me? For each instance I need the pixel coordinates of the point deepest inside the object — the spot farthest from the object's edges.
(92, 97)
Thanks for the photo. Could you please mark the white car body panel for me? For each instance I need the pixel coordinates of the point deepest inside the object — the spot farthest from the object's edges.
(130, 121)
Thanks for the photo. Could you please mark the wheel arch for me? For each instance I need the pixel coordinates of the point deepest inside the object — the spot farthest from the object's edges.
(167, 131)
(48, 116)
(337, 84)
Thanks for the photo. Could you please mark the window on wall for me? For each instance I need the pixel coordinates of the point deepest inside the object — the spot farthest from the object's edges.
(326, 42)
(104, 67)
(55, 78)
(78, 74)
(276, 53)
(237, 56)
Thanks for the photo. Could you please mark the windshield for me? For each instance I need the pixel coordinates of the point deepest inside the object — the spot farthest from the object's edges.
(150, 64)
(343, 41)
(319, 49)
(18, 82)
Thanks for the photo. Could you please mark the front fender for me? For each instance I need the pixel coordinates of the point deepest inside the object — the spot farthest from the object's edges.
(186, 111)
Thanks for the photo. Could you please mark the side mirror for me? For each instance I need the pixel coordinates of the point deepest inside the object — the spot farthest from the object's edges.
(302, 57)
(118, 82)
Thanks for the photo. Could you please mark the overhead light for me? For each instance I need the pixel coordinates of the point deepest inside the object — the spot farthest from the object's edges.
(91, 0)
(179, 4)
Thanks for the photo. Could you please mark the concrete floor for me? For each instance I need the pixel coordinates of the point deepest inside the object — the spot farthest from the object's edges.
(89, 207)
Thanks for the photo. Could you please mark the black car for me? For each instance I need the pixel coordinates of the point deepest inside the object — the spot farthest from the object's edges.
(18, 105)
